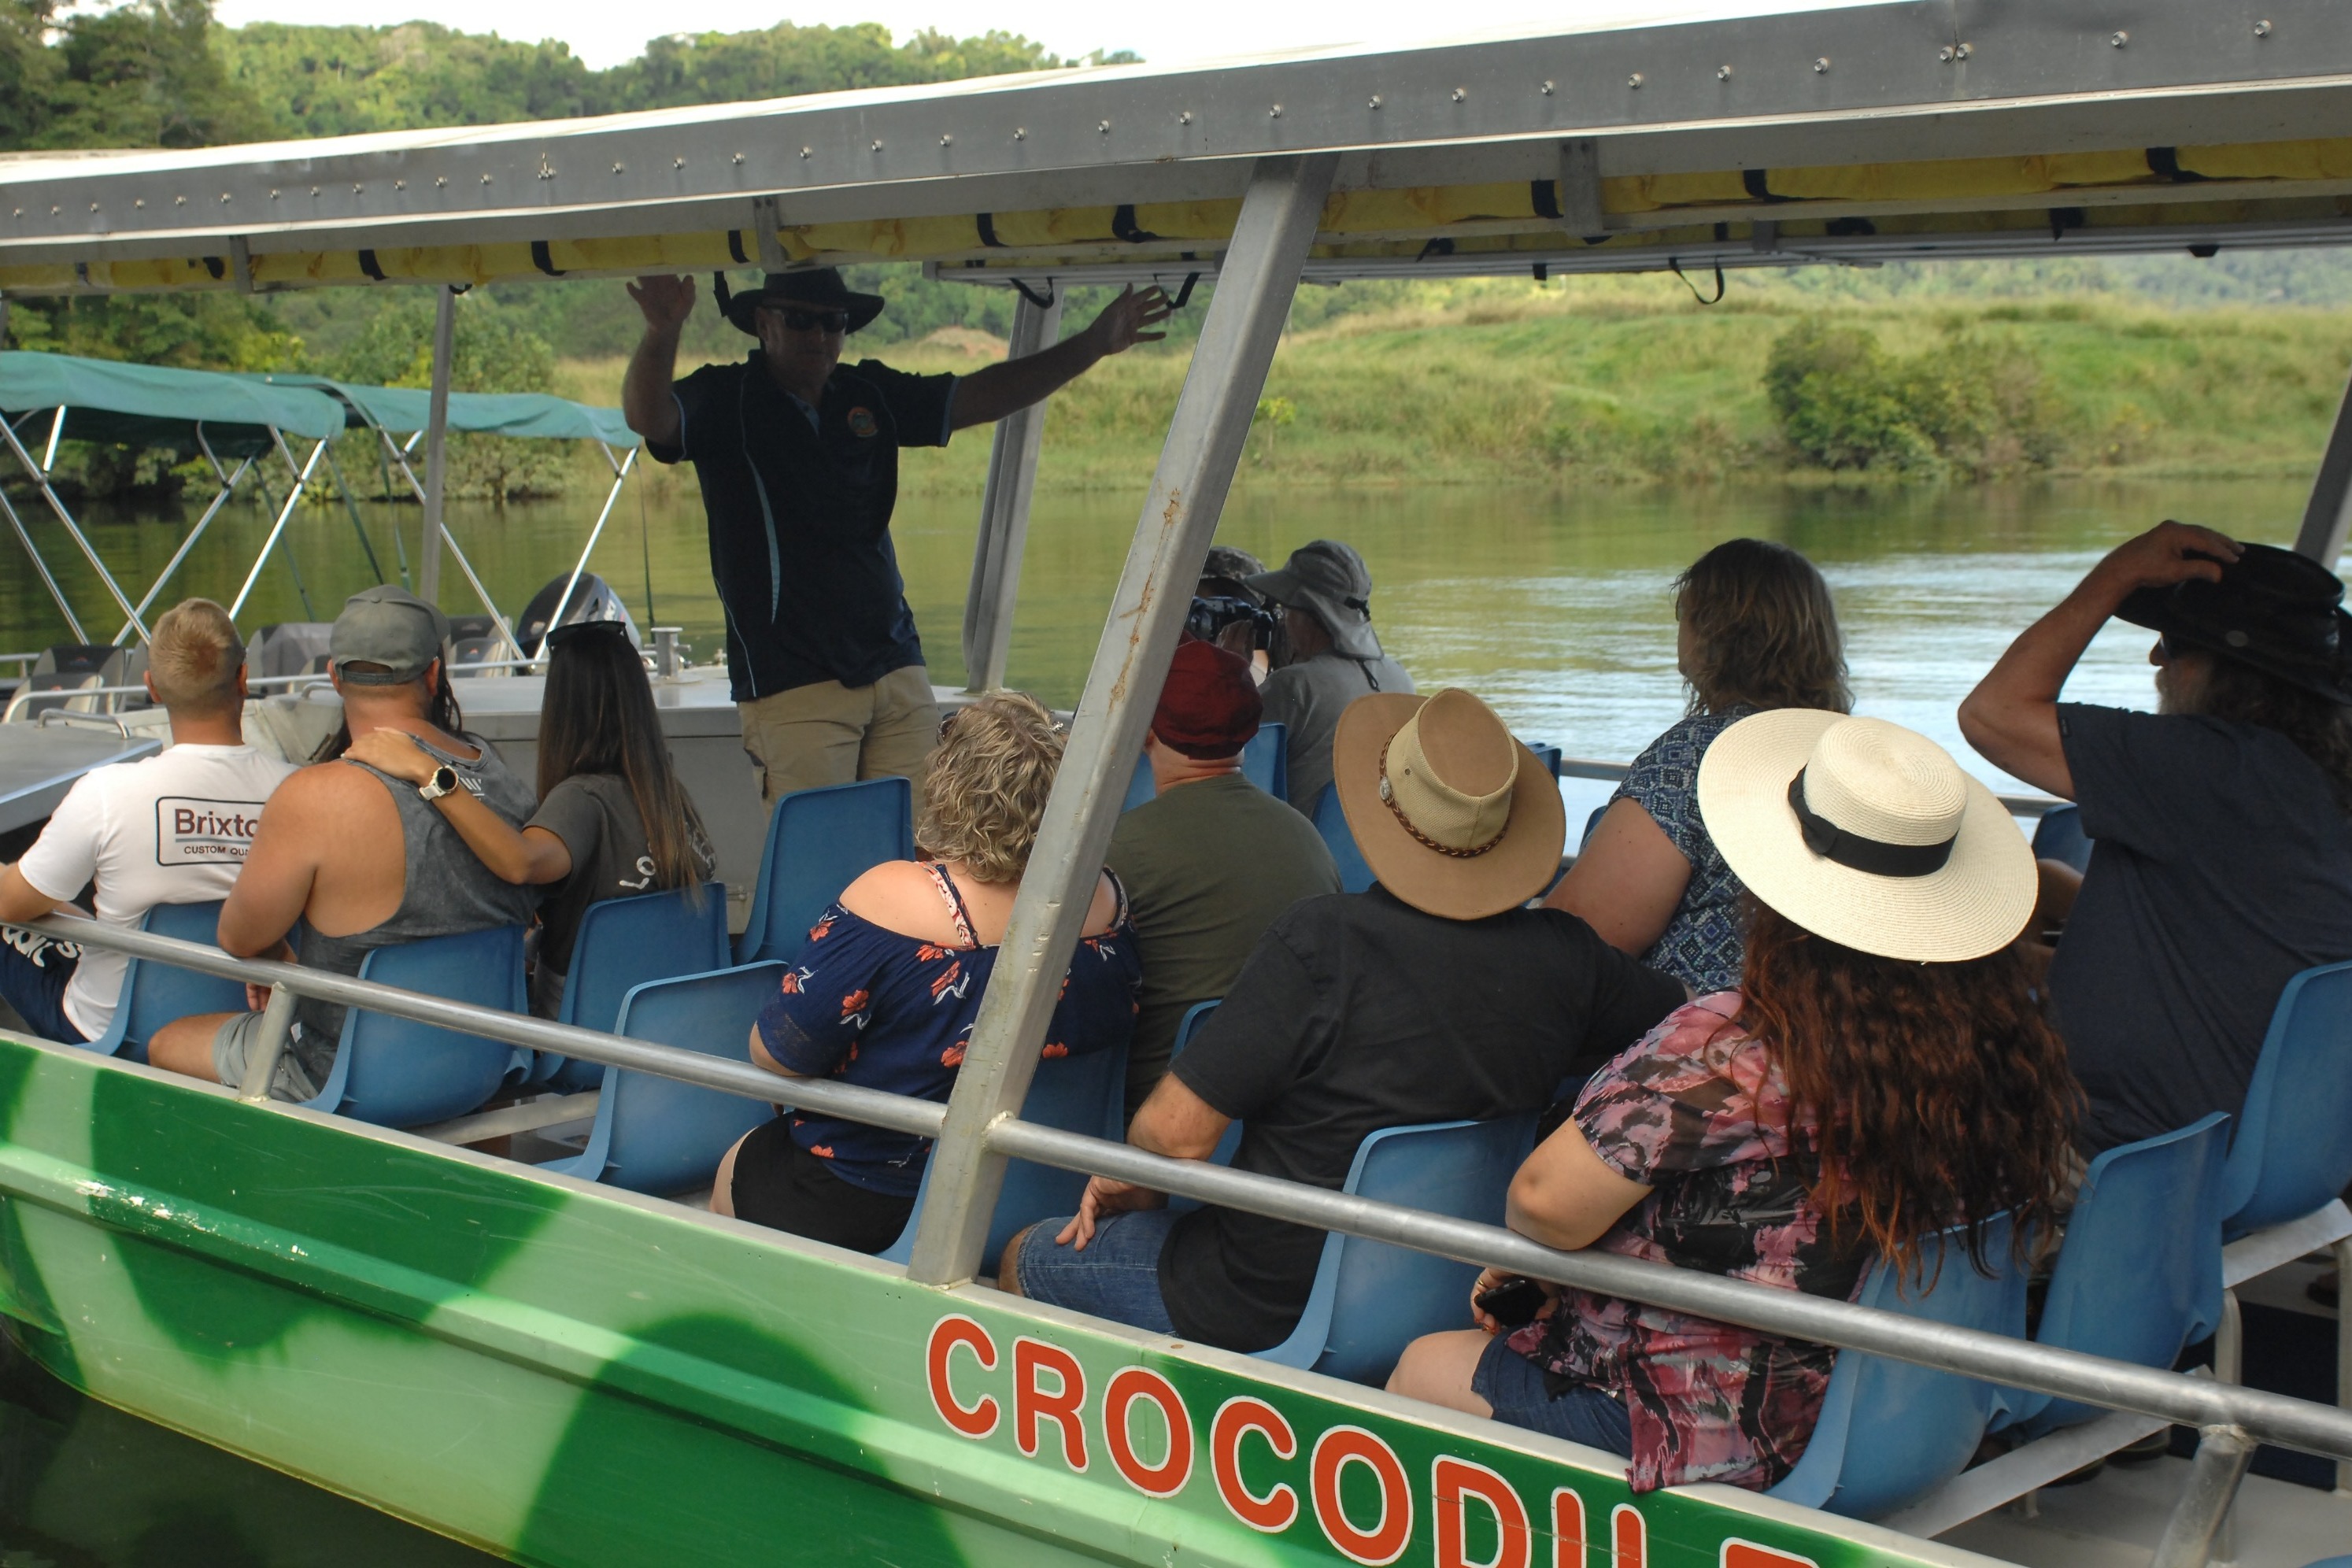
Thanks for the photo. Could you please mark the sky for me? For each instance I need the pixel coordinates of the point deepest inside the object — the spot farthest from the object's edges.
(606, 32)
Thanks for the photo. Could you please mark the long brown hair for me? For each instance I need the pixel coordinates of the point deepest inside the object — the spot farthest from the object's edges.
(1941, 1095)
(2319, 727)
(1766, 630)
(598, 716)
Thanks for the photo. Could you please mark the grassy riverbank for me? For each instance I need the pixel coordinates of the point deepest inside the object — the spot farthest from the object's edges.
(1620, 381)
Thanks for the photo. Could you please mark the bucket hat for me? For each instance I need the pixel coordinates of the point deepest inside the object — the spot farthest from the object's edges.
(1329, 580)
(1453, 816)
(2274, 609)
(1867, 834)
(386, 626)
(810, 288)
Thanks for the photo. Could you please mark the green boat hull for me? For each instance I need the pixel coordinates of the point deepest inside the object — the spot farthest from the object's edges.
(570, 1376)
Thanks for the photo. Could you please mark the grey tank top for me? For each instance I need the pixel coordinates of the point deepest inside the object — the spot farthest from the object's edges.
(447, 890)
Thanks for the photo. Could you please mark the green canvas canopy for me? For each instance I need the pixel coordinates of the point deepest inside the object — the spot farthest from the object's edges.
(156, 406)
(531, 416)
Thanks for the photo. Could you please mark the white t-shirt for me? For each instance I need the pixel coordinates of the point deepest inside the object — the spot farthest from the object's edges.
(168, 829)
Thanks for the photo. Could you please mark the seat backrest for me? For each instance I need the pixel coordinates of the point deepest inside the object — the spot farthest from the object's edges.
(398, 1073)
(1331, 822)
(1891, 1432)
(1265, 761)
(1077, 1094)
(1547, 755)
(1141, 787)
(820, 841)
(655, 1134)
(624, 943)
(153, 993)
(1186, 1027)
(2059, 837)
(1370, 1300)
(2139, 1274)
(2292, 1150)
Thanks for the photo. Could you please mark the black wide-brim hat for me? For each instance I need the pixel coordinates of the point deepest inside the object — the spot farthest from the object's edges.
(2277, 611)
(809, 288)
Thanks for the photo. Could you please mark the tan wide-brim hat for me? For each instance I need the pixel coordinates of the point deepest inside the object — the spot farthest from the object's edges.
(1452, 814)
(1884, 845)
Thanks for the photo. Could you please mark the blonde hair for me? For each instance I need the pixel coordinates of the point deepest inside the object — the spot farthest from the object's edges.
(1766, 629)
(986, 792)
(193, 656)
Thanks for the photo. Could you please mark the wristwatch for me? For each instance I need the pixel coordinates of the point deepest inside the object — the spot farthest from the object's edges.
(444, 780)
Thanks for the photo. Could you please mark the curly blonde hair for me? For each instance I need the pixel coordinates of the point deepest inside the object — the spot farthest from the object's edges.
(986, 792)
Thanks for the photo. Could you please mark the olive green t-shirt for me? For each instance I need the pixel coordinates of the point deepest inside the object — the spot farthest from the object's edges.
(1208, 866)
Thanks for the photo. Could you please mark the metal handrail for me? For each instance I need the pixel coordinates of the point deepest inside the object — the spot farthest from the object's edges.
(2092, 1380)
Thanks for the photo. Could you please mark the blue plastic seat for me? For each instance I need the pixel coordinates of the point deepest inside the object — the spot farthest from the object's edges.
(1186, 1027)
(820, 841)
(154, 993)
(2292, 1152)
(1077, 1094)
(656, 1134)
(1265, 762)
(1547, 755)
(397, 1073)
(1890, 1432)
(2139, 1274)
(1331, 822)
(620, 944)
(1370, 1300)
(2059, 837)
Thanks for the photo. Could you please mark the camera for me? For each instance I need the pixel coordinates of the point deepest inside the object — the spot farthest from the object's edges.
(1213, 614)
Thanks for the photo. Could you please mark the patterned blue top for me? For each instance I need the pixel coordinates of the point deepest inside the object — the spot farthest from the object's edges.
(875, 1007)
(1703, 945)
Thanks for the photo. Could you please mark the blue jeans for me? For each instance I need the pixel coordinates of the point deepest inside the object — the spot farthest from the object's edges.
(34, 969)
(1117, 1276)
(1516, 1388)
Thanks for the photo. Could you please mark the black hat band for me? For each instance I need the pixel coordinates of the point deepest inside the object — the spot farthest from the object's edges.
(1875, 856)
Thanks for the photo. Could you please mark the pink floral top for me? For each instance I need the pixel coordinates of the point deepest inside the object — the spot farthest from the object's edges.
(1698, 1111)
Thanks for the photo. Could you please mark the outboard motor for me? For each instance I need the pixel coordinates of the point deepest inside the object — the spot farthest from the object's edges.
(592, 599)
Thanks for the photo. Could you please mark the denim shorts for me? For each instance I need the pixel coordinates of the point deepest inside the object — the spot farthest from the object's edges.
(1117, 1276)
(1521, 1395)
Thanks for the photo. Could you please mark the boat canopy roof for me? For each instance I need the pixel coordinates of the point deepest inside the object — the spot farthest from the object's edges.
(1750, 135)
(155, 406)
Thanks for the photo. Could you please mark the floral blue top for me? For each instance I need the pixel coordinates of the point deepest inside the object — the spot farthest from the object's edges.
(882, 1010)
(1704, 944)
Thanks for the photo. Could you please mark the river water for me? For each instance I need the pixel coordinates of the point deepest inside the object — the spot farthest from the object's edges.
(1553, 606)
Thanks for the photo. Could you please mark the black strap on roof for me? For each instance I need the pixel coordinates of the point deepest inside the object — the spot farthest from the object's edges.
(1184, 295)
(1122, 224)
(217, 267)
(367, 265)
(542, 258)
(1043, 301)
(986, 222)
(1544, 196)
(735, 248)
(2165, 161)
(1760, 185)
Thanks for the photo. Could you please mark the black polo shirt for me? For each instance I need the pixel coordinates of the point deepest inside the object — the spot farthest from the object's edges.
(800, 516)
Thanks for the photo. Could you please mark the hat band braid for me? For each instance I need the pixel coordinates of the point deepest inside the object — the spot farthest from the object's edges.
(1388, 798)
(1875, 856)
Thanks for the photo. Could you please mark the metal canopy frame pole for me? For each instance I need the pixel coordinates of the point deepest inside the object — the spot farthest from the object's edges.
(437, 450)
(40, 473)
(1205, 438)
(285, 514)
(34, 552)
(1005, 509)
(2328, 516)
(620, 477)
(435, 538)
(227, 482)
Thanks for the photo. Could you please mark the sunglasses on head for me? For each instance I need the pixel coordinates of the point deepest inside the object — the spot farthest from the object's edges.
(829, 321)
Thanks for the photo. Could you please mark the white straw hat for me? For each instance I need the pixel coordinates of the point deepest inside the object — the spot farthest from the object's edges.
(1867, 834)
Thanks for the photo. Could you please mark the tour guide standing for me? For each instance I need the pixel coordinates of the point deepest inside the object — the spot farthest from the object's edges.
(798, 459)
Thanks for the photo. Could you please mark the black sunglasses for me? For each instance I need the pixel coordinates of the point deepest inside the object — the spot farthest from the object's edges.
(830, 321)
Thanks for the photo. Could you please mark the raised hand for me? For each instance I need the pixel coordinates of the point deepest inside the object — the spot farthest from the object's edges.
(666, 301)
(1122, 323)
(2168, 554)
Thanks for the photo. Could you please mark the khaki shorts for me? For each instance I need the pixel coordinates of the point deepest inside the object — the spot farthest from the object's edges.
(829, 734)
(237, 1038)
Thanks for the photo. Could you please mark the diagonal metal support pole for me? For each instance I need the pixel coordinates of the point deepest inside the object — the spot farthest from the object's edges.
(2328, 516)
(563, 599)
(1254, 287)
(1004, 510)
(437, 448)
(285, 513)
(41, 474)
(2222, 1455)
(227, 482)
(33, 551)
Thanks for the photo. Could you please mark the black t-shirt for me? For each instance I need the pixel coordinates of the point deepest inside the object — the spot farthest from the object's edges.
(2220, 867)
(1356, 1013)
(800, 516)
(598, 822)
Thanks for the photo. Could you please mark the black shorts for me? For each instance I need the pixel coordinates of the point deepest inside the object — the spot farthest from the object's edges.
(781, 1185)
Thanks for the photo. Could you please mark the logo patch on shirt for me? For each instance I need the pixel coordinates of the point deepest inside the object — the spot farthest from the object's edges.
(862, 424)
(192, 832)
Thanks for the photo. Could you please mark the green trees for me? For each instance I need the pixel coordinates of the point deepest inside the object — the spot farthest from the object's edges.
(1972, 405)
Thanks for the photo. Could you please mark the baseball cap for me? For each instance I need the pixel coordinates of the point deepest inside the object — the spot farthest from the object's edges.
(390, 626)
